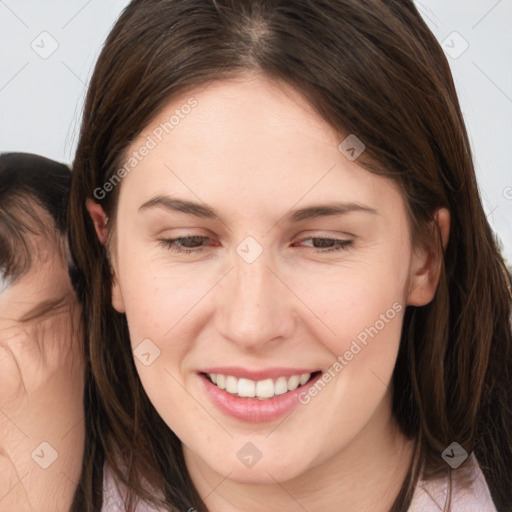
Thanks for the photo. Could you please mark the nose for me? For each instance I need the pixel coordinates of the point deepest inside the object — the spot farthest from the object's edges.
(256, 308)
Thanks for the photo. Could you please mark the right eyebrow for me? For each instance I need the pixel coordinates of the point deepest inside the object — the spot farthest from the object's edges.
(184, 206)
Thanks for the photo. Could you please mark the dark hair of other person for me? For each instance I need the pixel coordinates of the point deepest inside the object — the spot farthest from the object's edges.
(28, 180)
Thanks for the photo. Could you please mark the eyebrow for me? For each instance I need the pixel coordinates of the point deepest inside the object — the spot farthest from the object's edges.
(207, 212)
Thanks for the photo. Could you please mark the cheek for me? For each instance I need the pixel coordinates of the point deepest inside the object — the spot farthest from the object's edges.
(156, 293)
(160, 315)
(356, 302)
(171, 306)
(165, 315)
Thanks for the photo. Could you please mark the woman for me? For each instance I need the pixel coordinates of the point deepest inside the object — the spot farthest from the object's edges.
(41, 368)
(293, 298)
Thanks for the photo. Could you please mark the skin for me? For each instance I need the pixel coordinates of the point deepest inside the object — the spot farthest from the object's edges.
(254, 151)
(41, 385)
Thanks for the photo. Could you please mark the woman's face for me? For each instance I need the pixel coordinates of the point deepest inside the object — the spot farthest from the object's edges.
(261, 296)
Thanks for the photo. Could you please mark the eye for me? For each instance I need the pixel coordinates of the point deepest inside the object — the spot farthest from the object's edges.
(191, 244)
(189, 241)
(329, 244)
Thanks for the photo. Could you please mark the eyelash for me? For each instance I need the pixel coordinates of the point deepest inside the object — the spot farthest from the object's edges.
(170, 243)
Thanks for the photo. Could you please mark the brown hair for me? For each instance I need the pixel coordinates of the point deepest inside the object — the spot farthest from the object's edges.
(368, 67)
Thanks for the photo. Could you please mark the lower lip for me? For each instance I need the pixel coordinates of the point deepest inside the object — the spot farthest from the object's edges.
(253, 410)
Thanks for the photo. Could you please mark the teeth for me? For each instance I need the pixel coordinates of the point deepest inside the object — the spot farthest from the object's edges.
(231, 385)
(221, 381)
(304, 378)
(265, 388)
(281, 385)
(245, 387)
(261, 389)
(293, 382)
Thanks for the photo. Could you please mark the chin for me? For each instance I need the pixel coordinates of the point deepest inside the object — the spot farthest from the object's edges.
(262, 473)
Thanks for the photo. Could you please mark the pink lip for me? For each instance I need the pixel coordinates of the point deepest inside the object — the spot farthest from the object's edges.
(270, 373)
(252, 410)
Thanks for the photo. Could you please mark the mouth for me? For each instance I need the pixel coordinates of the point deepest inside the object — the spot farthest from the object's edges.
(267, 396)
(264, 389)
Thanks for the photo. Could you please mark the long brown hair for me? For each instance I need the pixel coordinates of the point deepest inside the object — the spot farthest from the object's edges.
(368, 67)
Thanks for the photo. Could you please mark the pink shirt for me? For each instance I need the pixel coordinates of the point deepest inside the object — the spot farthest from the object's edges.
(429, 496)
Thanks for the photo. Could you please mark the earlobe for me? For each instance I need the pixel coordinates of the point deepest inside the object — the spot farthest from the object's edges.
(427, 263)
(117, 296)
(99, 219)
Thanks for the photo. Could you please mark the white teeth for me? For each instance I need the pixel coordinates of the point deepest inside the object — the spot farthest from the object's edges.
(261, 389)
(293, 382)
(265, 388)
(231, 384)
(246, 387)
(281, 386)
(304, 378)
(221, 381)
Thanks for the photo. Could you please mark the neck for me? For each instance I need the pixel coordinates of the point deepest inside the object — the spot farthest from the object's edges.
(365, 475)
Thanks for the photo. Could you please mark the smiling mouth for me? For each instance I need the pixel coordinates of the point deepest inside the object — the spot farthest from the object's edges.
(261, 389)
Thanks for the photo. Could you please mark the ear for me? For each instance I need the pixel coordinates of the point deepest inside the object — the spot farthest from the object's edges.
(100, 221)
(427, 262)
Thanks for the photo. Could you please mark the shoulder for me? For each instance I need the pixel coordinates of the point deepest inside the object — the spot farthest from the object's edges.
(114, 495)
(469, 491)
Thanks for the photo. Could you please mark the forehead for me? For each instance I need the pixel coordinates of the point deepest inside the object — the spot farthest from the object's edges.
(45, 283)
(238, 114)
(247, 139)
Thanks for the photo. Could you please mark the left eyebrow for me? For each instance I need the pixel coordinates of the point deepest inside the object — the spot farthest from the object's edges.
(207, 212)
(324, 210)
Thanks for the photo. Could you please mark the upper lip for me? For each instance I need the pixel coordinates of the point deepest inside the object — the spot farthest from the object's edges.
(256, 375)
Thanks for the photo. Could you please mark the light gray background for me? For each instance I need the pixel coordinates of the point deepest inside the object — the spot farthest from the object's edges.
(41, 94)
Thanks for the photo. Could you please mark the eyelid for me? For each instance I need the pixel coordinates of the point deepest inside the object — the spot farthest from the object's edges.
(326, 234)
(347, 237)
(339, 244)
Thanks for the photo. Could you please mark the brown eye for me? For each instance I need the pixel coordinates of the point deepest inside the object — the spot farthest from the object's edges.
(329, 244)
(187, 244)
